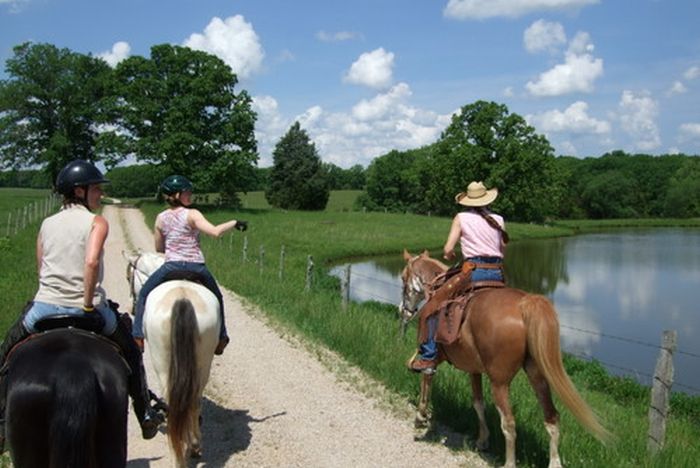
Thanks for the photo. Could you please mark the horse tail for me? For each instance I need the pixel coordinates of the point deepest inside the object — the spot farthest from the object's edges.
(183, 377)
(72, 429)
(543, 343)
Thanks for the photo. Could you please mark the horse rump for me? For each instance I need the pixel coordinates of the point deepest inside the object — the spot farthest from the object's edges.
(65, 406)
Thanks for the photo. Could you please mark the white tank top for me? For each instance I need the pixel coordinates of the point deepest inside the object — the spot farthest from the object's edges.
(64, 242)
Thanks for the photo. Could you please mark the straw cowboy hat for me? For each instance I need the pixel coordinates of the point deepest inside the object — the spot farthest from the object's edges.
(476, 195)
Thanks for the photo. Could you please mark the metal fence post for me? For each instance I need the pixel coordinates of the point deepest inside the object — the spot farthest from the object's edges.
(309, 272)
(345, 288)
(281, 272)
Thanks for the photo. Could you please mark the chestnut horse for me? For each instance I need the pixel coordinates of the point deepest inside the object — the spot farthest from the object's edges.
(505, 329)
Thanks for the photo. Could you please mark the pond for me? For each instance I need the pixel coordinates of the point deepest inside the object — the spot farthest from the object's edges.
(616, 292)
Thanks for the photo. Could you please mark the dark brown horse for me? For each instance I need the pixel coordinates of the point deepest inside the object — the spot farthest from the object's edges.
(505, 329)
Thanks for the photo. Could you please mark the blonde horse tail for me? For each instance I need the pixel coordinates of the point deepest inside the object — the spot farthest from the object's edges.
(183, 377)
(543, 343)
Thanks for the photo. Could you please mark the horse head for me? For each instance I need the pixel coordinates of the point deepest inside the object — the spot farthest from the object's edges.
(140, 265)
(420, 270)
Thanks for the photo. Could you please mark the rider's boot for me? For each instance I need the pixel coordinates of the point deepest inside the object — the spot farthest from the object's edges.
(149, 418)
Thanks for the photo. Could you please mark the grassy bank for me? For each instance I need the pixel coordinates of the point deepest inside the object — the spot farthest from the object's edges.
(366, 334)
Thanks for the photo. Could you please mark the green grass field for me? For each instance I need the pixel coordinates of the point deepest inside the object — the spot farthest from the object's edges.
(366, 334)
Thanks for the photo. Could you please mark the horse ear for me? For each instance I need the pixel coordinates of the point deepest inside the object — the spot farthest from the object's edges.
(425, 253)
(406, 256)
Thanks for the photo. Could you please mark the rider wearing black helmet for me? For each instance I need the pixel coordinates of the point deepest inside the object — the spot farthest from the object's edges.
(70, 248)
(176, 234)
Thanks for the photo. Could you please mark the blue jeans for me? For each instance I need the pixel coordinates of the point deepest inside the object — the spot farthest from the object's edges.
(428, 349)
(486, 274)
(158, 277)
(40, 310)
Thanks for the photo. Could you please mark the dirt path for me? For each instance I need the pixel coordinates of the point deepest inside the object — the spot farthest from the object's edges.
(272, 402)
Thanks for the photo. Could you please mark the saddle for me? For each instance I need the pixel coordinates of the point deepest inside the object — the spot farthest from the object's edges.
(449, 296)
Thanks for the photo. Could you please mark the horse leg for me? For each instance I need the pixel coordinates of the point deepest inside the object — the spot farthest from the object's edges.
(422, 415)
(551, 416)
(482, 442)
(500, 396)
(196, 436)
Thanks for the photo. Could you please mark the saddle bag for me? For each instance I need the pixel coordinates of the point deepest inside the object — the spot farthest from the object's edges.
(450, 318)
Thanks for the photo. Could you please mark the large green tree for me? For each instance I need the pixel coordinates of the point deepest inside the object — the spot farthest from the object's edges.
(51, 107)
(179, 109)
(298, 179)
(486, 142)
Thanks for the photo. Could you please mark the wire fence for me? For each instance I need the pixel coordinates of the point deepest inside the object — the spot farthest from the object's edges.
(19, 218)
(639, 375)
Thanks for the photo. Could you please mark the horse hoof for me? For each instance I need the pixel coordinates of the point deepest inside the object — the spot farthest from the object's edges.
(421, 422)
(482, 445)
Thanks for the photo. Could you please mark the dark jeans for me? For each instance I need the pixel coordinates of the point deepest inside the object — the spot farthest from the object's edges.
(158, 277)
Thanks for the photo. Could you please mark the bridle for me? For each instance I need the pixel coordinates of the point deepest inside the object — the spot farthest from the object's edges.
(413, 285)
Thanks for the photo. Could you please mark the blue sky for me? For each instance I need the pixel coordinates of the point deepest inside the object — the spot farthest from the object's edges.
(364, 77)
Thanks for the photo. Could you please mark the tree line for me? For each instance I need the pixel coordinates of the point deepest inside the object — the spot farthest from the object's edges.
(179, 112)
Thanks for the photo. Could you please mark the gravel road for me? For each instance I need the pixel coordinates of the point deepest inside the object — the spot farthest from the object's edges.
(273, 400)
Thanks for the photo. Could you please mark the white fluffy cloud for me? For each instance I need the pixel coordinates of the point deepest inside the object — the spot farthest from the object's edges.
(577, 74)
(574, 119)
(638, 114)
(234, 41)
(691, 130)
(677, 88)
(544, 36)
(337, 36)
(373, 69)
(481, 9)
(692, 73)
(120, 51)
(373, 127)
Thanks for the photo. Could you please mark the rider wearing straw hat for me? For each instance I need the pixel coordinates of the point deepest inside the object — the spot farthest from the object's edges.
(482, 239)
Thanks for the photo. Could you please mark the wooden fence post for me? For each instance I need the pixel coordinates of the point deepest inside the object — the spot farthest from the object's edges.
(245, 248)
(345, 288)
(309, 272)
(661, 388)
(262, 258)
(9, 223)
(281, 272)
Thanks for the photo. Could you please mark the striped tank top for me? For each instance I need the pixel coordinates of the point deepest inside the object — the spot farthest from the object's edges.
(181, 239)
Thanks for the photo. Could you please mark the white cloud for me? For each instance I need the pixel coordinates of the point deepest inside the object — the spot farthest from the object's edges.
(373, 69)
(692, 73)
(544, 36)
(508, 92)
(676, 88)
(120, 51)
(372, 128)
(234, 41)
(337, 36)
(577, 74)
(574, 119)
(481, 9)
(691, 130)
(638, 114)
(14, 6)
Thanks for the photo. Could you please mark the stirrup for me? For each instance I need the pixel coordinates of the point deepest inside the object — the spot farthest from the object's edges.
(159, 404)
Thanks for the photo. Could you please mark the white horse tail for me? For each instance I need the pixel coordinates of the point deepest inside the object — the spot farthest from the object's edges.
(183, 378)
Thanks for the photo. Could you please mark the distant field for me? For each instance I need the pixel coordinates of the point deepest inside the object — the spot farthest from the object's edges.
(339, 200)
(12, 200)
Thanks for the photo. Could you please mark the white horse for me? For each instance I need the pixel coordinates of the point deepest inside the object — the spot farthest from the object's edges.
(181, 325)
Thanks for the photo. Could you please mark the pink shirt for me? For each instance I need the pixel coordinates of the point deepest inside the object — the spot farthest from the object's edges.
(478, 239)
(181, 239)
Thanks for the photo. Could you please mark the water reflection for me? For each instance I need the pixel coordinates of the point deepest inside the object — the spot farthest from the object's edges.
(615, 294)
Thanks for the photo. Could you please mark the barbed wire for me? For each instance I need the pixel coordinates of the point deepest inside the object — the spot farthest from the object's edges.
(635, 372)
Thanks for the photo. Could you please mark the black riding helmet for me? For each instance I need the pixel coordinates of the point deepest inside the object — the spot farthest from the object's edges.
(78, 173)
(175, 184)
